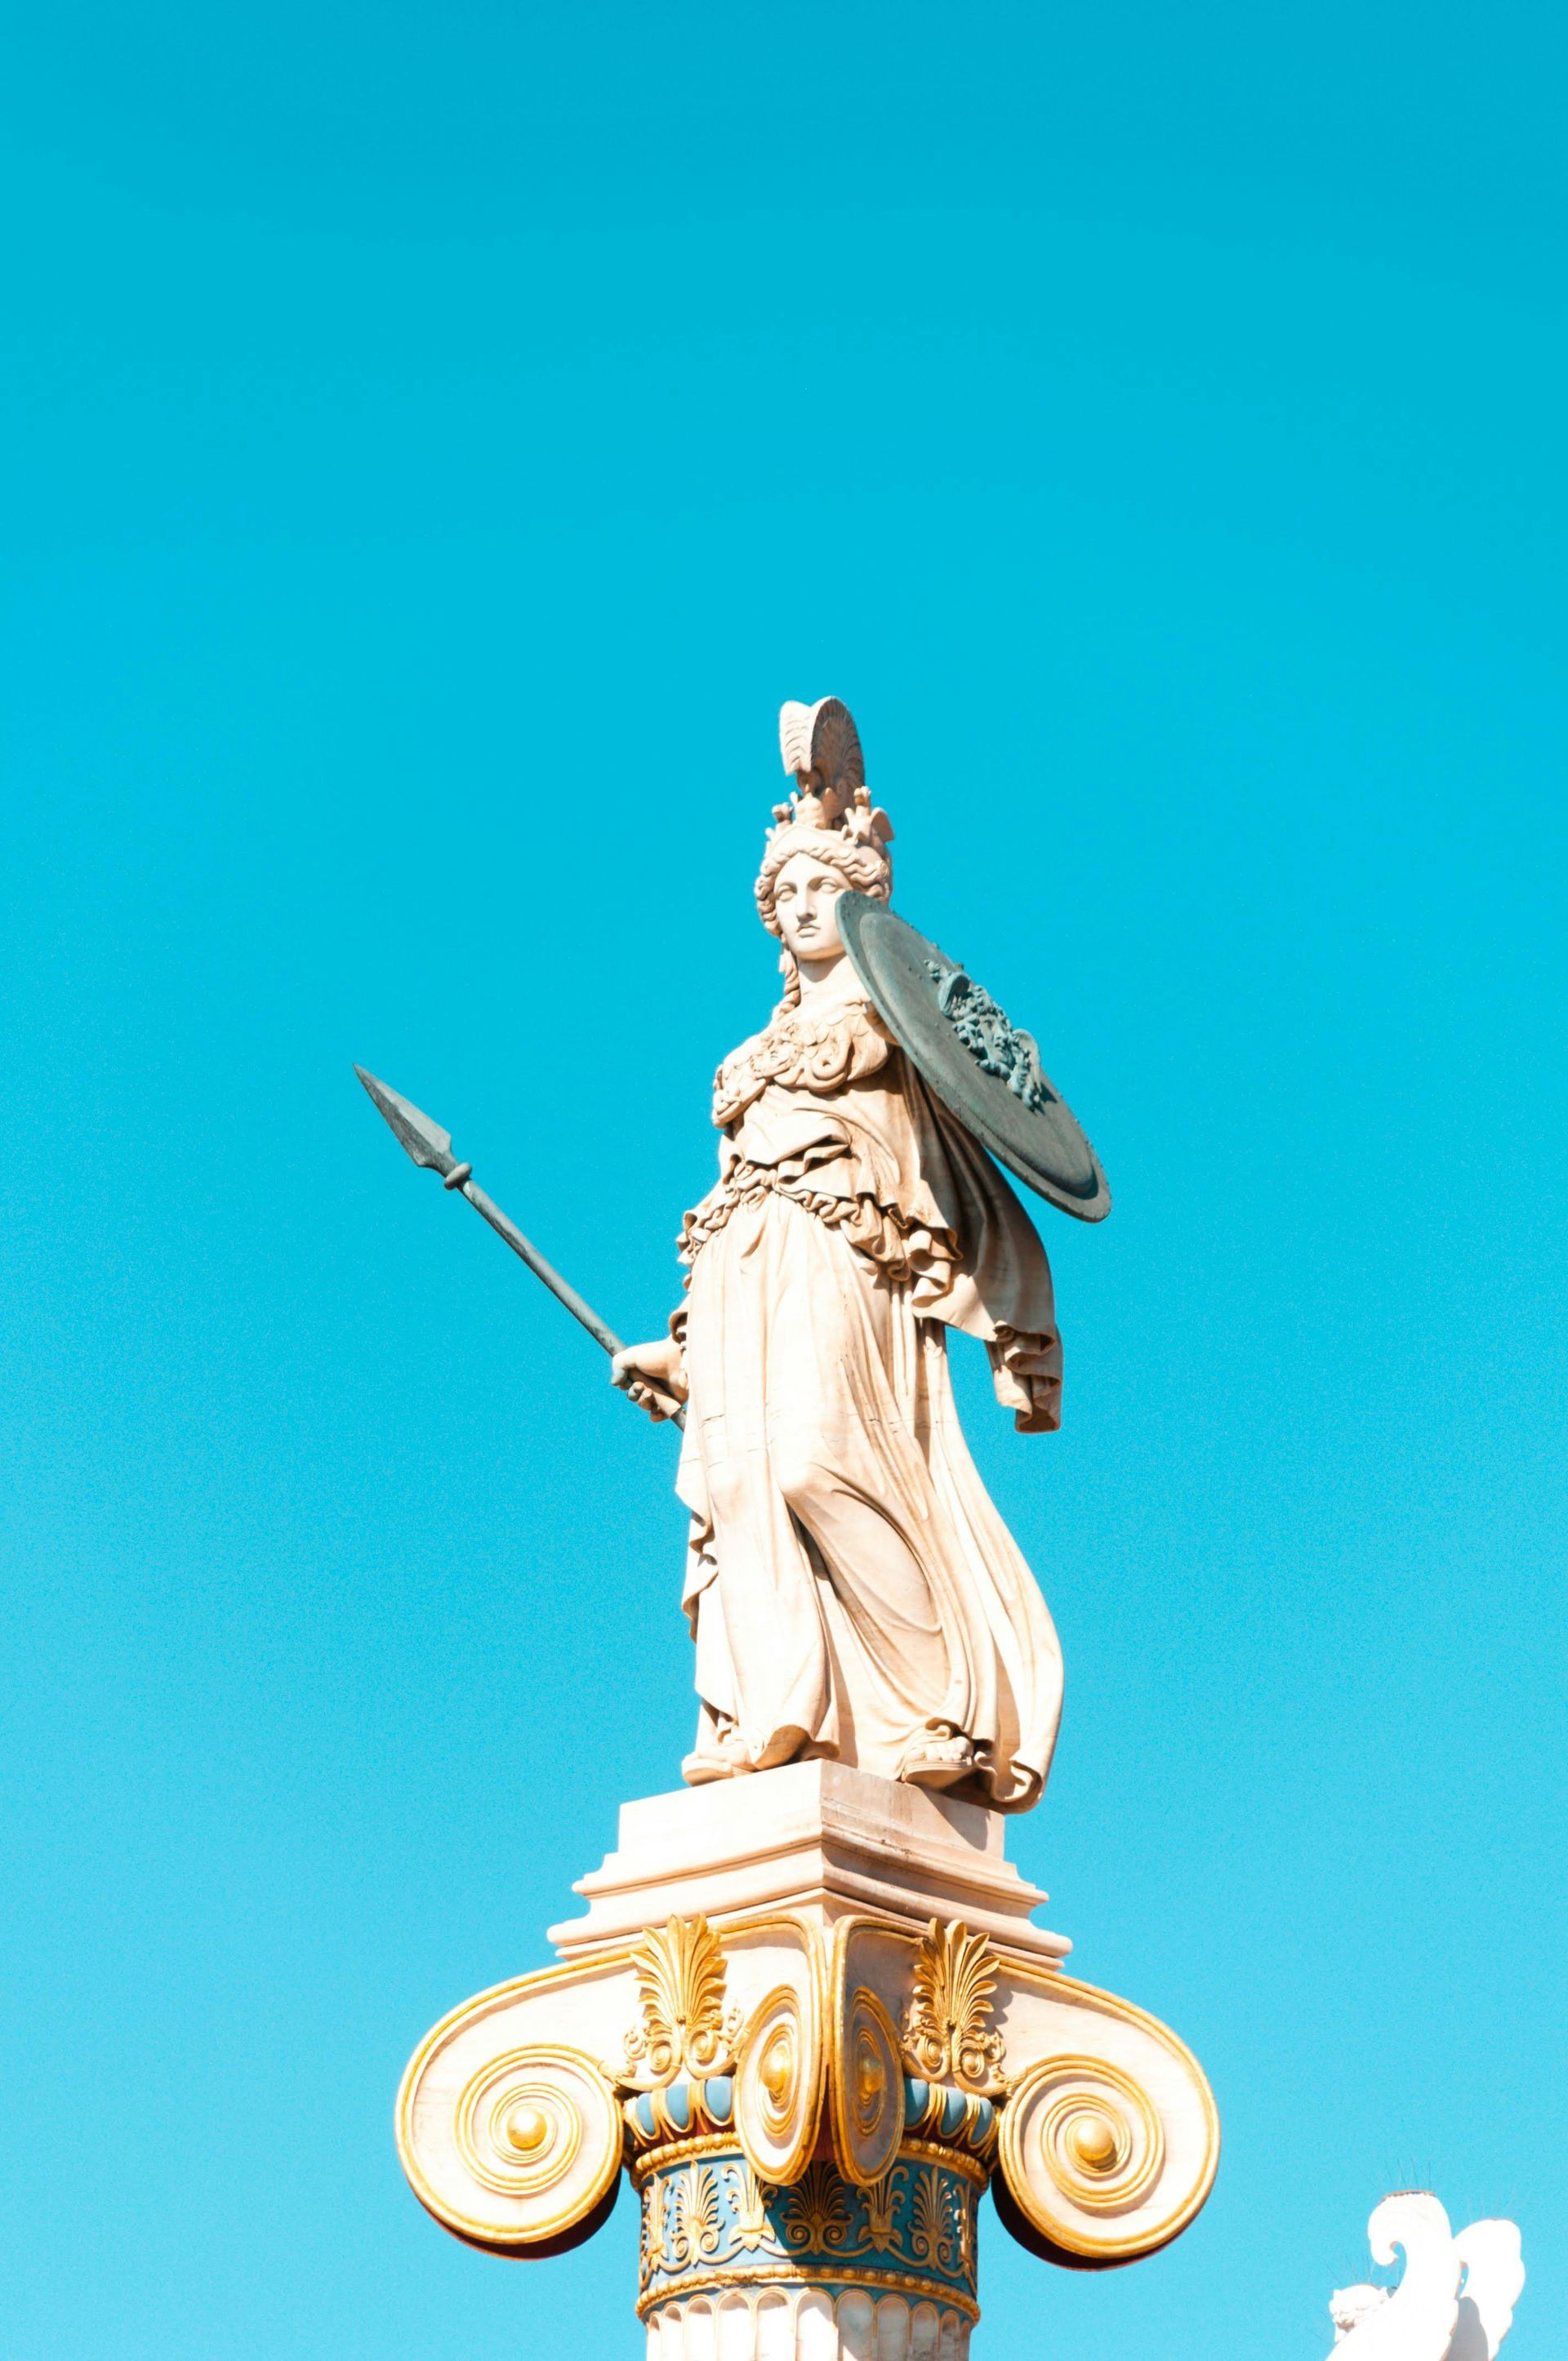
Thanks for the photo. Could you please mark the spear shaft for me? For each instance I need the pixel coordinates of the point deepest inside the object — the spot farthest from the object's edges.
(431, 1148)
(562, 1288)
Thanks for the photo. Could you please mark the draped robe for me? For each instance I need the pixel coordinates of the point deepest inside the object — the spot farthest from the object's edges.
(851, 1588)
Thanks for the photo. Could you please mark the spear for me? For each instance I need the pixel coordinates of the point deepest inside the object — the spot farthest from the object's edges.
(431, 1148)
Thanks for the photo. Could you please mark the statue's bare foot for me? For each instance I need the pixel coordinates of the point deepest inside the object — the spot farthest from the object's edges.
(934, 1761)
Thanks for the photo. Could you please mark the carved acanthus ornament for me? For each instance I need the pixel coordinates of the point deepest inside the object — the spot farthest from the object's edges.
(948, 2034)
(685, 2029)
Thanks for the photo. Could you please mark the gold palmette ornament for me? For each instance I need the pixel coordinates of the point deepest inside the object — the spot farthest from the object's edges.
(948, 2032)
(683, 2025)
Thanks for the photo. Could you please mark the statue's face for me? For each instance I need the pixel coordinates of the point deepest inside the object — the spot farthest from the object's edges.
(806, 895)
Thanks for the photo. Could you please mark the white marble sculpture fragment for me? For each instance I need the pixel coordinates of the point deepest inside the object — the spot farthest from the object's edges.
(1455, 2298)
(852, 1591)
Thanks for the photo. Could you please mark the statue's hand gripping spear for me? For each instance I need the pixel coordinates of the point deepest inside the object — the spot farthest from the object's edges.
(432, 1147)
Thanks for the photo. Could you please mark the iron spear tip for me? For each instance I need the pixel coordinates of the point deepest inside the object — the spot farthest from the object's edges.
(424, 1140)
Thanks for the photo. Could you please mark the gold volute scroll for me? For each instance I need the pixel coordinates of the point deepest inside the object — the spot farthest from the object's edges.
(1082, 2153)
(866, 2081)
(524, 2156)
(680, 1993)
(947, 2034)
(778, 2088)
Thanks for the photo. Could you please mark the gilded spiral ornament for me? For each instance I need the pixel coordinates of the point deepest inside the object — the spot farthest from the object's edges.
(865, 2077)
(778, 2090)
(525, 2156)
(1081, 2146)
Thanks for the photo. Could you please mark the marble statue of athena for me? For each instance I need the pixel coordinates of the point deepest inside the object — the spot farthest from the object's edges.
(852, 1591)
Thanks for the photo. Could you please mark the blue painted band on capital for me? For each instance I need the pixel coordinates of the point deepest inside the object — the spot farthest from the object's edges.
(708, 2218)
(681, 2109)
(937, 2112)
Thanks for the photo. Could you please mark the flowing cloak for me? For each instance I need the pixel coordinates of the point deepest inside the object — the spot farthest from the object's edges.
(851, 1588)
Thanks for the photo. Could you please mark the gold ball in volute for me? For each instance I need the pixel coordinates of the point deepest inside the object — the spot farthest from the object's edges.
(1092, 2143)
(527, 2128)
(778, 2064)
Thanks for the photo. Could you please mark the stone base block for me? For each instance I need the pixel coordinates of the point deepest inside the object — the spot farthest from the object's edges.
(816, 1838)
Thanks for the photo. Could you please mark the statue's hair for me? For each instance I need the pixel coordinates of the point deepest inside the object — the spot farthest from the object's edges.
(830, 815)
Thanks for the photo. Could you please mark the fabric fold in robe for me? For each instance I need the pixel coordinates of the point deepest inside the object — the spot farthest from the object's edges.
(850, 1585)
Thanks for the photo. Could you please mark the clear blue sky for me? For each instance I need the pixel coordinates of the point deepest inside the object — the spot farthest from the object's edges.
(433, 441)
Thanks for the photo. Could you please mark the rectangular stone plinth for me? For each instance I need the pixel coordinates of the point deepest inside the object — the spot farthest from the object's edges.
(813, 1836)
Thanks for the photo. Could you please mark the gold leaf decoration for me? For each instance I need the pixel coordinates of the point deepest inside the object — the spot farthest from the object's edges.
(964, 2222)
(752, 2229)
(926, 2218)
(931, 2238)
(653, 2252)
(948, 2032)
(881, 2201)
(697, 2231)
(814, 2215)
(680, 1992)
